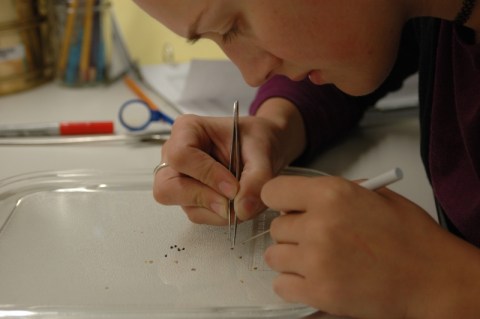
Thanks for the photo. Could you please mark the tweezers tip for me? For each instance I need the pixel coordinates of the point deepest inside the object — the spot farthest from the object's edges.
(235, 107)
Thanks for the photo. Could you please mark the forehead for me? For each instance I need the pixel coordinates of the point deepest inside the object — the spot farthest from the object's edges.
(181, 15)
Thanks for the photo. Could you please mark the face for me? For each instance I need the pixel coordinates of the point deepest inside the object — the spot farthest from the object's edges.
(350, 43)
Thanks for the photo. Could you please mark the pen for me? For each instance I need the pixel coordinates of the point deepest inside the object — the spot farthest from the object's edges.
(56, 129)
(383, 180)
(372, 184)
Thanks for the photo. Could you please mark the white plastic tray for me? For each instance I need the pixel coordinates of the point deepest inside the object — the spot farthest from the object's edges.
(96, 244)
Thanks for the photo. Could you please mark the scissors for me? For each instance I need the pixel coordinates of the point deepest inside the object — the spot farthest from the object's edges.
(137, 114)
(234, 167)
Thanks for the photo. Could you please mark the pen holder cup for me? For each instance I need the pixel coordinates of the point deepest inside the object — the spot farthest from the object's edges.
(26, 46)
(90, 48)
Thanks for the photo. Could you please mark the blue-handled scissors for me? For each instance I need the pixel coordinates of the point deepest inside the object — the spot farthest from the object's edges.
(137, 114)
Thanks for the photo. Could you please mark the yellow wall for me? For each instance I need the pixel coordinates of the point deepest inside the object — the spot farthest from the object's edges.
(146, 38)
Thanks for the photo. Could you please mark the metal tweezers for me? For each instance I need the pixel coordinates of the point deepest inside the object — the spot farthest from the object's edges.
(234, 167)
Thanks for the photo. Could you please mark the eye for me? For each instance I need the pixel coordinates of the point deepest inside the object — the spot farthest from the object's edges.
(230, 35)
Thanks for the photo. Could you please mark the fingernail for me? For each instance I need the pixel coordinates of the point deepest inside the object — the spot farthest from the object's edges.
(228, 189)
(220, 209)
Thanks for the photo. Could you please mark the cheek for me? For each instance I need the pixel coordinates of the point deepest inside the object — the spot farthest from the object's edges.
(362, 73)
(253, 62)
(299, 43)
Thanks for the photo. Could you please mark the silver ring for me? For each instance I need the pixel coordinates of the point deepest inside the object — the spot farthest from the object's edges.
(159, 167)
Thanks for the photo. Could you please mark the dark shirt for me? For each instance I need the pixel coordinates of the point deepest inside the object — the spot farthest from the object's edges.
(448, 62)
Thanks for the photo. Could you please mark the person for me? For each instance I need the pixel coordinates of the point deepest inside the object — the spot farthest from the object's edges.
(320, 65)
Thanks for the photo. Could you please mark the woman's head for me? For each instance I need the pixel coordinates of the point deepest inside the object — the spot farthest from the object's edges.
(350, 43)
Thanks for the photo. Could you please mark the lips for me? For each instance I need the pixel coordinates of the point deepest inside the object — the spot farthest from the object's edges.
(315, 77)
(300, 77)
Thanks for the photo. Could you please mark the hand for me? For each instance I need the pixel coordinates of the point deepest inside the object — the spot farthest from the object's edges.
(358, 253)
(198, 153)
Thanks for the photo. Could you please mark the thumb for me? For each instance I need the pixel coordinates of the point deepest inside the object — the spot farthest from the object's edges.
(248, 203)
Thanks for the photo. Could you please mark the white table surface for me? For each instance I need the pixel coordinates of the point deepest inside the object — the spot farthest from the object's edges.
(52, 103)
(369, 151)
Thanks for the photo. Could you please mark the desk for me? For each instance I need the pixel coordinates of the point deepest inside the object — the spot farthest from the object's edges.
(51, 103)
(370, 150)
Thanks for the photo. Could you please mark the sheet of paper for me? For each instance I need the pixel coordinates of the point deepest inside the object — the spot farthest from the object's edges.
(167, 79)
(203, 87)
(218, 84)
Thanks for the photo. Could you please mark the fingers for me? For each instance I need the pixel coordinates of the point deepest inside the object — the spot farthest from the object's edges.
(172, 188)
(287, 260)
(290, 287)
(287, 228)
(297, 193)
(287, 193)
(284, 258)
(200, 166)
(196, 177)
(248, 203)
(194, 150)
(199, 215)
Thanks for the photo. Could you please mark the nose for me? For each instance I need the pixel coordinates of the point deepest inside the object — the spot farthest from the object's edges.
(256, 65)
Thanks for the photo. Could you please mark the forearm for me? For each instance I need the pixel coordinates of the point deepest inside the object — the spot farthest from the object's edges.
(290, 126)
(327, 114)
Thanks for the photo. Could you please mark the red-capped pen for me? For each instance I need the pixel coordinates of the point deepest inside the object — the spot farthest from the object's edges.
(56, 129)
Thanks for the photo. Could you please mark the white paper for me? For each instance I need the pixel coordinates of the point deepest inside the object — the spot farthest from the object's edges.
(203, 87)
(167, 79)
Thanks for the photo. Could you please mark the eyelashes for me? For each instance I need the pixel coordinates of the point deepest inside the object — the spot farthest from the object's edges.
(226, 38)
(231, 34)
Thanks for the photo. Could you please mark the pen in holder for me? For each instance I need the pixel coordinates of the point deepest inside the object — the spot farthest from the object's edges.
(90, 50)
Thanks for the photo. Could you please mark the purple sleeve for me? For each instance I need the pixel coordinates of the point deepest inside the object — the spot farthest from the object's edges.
(327, 113)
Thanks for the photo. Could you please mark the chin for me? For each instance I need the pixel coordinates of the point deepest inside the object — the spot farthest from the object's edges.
(359, 88)
(357, 91)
